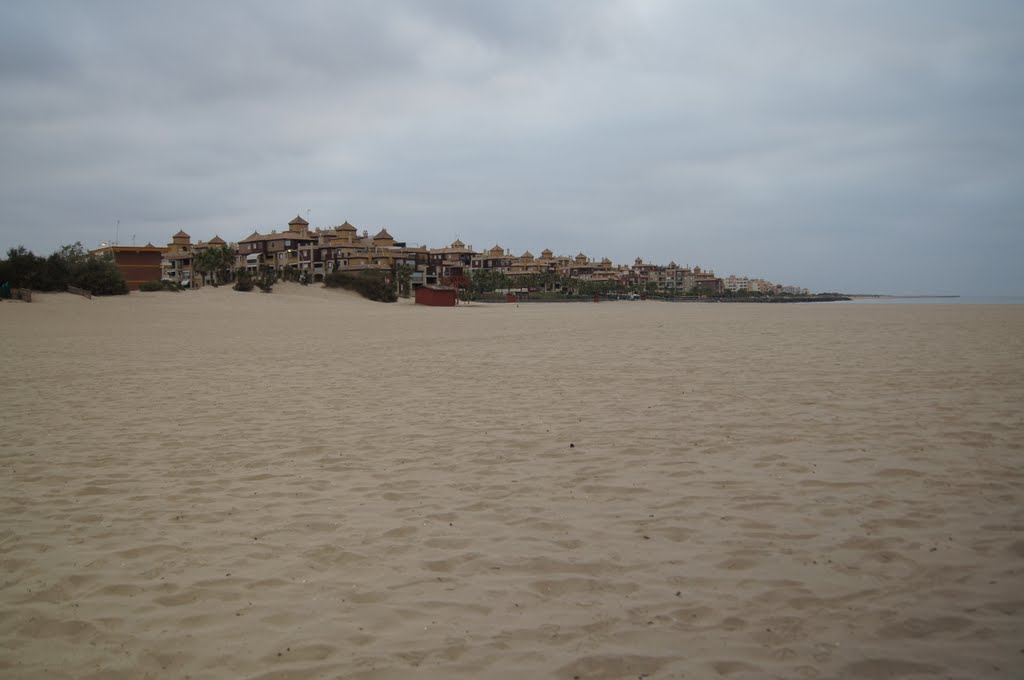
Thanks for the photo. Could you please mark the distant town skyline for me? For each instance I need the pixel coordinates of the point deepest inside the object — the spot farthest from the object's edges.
(313, 255)
(854, 146)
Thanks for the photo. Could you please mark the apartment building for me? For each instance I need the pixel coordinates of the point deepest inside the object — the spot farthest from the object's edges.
(176, 264)
(178, 260)
(275, 250)
(449, 266)
(320, 252)
(495, 259)
(735, 284)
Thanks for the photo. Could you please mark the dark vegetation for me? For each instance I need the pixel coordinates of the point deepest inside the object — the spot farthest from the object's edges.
(215, 263)
(492, 286)
(70, 265)
(372, 285)
(266, 279)
(243, 280)
(153, 286)
(290, 273)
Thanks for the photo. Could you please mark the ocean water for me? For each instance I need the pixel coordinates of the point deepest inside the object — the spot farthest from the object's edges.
(964, 300)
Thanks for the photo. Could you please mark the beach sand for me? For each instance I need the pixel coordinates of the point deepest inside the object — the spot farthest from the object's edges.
(305, 484)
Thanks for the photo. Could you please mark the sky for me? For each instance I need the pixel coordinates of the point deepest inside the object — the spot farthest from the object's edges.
(856, 146)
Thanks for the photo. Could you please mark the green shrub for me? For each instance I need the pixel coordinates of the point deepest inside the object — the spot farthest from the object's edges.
(70, 265)
(370, 284)
(152, 286)
(100, 276)
(266, 280)
(243, 280)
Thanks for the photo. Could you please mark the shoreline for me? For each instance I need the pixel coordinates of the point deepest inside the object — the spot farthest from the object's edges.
(899, 297)
(754, 300)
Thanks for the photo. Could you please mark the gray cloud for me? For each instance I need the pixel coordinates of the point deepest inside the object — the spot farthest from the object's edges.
(844, 145)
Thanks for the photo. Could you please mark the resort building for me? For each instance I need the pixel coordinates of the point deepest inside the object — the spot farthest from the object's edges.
(738, 284)
(343, 249)
(274, 250)
(495, 259)
(449, 266)
(178, 262)
(672, 279)
(319, 252)
(700, 280)
(735, 284)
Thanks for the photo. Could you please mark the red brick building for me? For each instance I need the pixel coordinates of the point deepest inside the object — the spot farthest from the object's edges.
(435, 296)
(136, 263)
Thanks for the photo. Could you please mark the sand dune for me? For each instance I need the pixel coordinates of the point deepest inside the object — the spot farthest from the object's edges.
(306, 484)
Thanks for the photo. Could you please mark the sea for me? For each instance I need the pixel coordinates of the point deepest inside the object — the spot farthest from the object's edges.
(963, 300)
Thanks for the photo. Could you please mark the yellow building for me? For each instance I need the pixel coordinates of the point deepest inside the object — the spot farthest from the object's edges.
(178, 261)
(176, 264)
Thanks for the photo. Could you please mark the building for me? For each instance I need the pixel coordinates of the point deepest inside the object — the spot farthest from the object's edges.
(436, 296)
(703, 280)
(343, 249)
(317, 253)
(449, 265)
(496, 259)
(275, 250)
(178, 263)
(137, 264)
(735, 284)
(299, 250)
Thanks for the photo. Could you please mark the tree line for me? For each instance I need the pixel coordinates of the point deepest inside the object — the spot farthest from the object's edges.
(216, 262)
(69, 265)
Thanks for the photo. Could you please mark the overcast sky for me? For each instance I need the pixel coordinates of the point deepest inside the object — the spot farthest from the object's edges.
(857, 146)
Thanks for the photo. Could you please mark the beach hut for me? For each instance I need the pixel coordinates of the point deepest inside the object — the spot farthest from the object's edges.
(435, 296)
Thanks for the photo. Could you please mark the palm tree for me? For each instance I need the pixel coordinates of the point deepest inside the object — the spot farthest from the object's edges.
(216, 262)
(266, 279)
(203, 263)
(532, 281)
(403, 276)
(223, 260)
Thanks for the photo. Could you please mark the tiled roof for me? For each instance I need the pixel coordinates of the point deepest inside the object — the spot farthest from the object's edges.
(294, 235)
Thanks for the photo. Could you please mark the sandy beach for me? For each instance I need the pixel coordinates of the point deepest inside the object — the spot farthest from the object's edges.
(306, 484)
